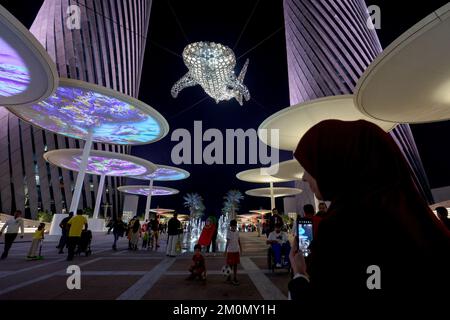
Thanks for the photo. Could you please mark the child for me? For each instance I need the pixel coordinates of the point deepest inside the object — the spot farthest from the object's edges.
(145, 239)
(232, 250)
(38, 236)
(197, 268)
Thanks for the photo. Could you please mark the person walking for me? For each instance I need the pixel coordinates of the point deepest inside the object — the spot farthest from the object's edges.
(135, 233)
(75, 225)
(12, 229)
(173, 231)
(207, 234)
(154, 226)
(63, 240)
(119, 228)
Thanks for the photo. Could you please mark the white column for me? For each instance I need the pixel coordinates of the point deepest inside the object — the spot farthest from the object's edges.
(81, 173)
(316, 203)
(149, 201)
(272, 197)
(98, 200)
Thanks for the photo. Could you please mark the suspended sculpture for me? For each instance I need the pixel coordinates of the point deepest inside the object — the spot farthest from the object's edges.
(211, 65)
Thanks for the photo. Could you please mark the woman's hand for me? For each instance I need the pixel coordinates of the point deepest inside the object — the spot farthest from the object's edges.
(297, 259)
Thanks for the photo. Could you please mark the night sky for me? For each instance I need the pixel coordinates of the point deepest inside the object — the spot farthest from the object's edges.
(254, 29)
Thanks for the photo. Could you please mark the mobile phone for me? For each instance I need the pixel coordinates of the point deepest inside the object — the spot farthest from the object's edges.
(304, 234)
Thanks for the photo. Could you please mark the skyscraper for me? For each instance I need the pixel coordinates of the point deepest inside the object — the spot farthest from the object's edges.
(97, 41)
(329, 46)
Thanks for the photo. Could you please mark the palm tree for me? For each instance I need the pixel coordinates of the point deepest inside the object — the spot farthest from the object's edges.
(231, 204)
(194, 202)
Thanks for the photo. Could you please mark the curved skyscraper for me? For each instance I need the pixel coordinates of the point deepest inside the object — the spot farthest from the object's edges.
(98, 41)
(329, 45)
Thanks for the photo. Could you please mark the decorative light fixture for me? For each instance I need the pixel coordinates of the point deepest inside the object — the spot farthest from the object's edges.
(211, 65)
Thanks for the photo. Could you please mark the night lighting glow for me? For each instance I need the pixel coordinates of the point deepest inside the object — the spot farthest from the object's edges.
(144, 191)
(14, 75)
(113, 167)
(100, 162)
(166, 173)
(27, 72)
(77, 107)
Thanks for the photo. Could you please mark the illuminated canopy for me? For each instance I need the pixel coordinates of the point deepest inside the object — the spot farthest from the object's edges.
(100, 162)
(261, 211)
(27, 73)
(277, 192)
(409, 82)
(247, 217)
(78, 106)
(257, 176)
(293, 122)
(289, 170)
(211, 65)
(165, 173)
(144, 191)
(161, 211)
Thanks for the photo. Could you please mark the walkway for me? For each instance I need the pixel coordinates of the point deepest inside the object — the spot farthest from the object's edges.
(141, 274)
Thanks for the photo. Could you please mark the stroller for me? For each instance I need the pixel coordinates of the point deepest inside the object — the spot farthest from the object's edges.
(85, 243)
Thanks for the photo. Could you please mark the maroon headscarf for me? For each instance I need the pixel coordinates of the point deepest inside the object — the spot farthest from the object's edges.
(357, 163)
(360, 169)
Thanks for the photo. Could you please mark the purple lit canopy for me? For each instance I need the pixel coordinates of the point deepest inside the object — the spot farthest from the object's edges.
(100, 162)
(78, 106)
(144, 191)
(165, 173)
(27, 74)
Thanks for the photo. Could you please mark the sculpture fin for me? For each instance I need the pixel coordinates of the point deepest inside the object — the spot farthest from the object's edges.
(242, 90)
(243, 71)
(184, 82)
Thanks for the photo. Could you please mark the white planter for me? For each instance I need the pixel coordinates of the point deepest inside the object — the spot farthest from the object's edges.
(96, 225)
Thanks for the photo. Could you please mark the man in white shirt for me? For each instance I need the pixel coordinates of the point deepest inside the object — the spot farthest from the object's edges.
(280, 245)
(12, 229)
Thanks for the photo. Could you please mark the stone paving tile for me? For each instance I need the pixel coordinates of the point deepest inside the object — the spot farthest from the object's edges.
(280, 278)
(20, 263)
(215, 288)
(121, 264)
(92, 288)
(260, 262)
(212, 263)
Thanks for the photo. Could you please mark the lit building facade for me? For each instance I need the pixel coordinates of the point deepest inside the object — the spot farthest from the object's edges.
(105, 48)
(329, 46)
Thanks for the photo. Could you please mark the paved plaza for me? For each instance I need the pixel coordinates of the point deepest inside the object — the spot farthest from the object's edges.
(134, 275)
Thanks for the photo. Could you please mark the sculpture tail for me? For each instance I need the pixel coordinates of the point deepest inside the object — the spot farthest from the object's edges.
(240, 79)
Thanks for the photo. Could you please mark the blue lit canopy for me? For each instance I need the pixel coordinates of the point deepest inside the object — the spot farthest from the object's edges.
(165, 173)
(100, 162)
(78, 106)
(144, 191)
(27, 73)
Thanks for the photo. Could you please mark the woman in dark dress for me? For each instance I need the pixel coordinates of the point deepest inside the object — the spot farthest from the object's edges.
(379, 238)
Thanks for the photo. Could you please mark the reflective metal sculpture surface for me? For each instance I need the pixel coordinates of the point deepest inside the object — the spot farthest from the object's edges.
(211, 65)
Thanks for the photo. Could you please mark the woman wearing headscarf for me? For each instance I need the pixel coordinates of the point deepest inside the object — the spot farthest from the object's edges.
(379, 237)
